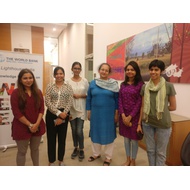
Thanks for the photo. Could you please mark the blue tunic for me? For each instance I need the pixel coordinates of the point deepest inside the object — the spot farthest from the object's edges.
(102, 104)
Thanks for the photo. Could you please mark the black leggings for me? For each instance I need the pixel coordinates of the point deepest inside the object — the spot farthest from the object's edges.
(52, 133)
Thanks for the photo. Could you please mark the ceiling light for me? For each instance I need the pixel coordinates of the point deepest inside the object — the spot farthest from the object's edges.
(54, 29)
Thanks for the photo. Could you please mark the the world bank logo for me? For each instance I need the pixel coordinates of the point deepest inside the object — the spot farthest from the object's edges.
(2, 58)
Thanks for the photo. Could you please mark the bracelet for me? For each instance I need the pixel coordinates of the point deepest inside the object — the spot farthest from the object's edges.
(139, 124)
(30, 126)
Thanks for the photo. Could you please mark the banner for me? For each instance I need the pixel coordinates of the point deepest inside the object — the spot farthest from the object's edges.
(10, 65)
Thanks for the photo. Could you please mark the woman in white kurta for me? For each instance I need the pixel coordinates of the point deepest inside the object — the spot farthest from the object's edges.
(78, 110)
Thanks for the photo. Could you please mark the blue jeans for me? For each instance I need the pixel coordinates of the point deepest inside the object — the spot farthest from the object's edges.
(77, 126)
(156, 143)
(131, 147)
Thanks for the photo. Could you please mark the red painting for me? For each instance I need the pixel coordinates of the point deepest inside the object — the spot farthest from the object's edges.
(116, 56)
(180, 57)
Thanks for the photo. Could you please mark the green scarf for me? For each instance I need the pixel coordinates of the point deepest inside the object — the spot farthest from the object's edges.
(160, 98)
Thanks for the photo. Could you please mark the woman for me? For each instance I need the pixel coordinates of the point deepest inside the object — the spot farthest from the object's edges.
(158, 99)
(102, 109)
(28, 125)
(78, 110)
(58, 99)
(129, 110)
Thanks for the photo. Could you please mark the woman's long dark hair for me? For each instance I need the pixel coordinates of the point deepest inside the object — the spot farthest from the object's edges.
(138, 76)
(21, 90)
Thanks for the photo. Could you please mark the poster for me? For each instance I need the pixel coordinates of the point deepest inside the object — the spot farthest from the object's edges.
(10, 65)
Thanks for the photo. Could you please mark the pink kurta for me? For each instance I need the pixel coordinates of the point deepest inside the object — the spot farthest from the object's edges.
(130, 104)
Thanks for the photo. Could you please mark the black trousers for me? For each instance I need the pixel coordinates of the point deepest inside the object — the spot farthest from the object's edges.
(55, 133)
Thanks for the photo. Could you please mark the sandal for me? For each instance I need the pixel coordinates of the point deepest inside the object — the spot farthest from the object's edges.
(92, 158)
(106, 162)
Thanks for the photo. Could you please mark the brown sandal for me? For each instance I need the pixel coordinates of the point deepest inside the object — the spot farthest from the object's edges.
(92, 158)
(107, 162)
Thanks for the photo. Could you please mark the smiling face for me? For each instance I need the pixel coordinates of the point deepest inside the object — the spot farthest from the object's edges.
(59, 76)
(130, 72)
(76, 69)
(27, 80)
(155, 73)
(104, 72)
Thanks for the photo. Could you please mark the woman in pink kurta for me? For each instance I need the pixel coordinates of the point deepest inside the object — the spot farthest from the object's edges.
(129, 110)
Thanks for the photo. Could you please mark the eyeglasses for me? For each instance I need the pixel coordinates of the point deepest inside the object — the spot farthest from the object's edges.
(77, 69)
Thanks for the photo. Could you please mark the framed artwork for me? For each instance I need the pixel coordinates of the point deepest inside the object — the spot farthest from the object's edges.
(116, 59)
(168, 42)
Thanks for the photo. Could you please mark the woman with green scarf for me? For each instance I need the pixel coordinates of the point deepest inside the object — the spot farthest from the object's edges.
(158, 99)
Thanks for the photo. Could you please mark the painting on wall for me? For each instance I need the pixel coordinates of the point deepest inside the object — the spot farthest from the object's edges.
(116, 59)
(180, 56)
(168, 42)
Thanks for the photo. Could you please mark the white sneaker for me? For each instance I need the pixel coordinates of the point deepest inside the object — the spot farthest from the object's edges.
(51, 164)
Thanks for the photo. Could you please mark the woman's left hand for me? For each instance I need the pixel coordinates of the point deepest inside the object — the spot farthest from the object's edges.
(63, 115)
(139, 128)
(34, 128)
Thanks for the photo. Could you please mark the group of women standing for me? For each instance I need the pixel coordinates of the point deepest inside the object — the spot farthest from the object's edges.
(65, 102)
(138, 108)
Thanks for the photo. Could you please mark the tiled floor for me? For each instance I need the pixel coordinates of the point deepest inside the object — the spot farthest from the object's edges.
(7, 158)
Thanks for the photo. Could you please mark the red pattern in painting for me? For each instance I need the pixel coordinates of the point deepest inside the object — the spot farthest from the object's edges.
(181, 51)
(116, 58)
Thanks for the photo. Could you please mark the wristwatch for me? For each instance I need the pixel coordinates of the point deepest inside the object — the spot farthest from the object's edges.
(30, 126)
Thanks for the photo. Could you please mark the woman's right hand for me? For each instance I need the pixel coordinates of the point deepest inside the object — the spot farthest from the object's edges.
(88, 115)
(126, 120)
(58, 121)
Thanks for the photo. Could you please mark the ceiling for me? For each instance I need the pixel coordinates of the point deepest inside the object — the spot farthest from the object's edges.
(48, 28)
(59, 27)
(51, 36)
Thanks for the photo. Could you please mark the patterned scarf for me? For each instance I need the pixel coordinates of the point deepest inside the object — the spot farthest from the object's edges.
(160, 98)
(110, 84)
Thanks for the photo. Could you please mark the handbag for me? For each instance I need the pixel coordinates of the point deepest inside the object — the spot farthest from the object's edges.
(140, 135)
(185, 151)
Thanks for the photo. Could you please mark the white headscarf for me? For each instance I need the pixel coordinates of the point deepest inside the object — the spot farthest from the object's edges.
(110, 84)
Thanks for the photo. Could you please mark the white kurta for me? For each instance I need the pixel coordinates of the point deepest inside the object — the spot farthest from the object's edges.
(78, 110)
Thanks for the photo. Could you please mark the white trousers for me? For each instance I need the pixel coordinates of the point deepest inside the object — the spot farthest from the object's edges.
(108, 149)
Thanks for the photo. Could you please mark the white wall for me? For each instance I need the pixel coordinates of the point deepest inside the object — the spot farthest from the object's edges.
(21, 37)
(72, 47)
(108, 33)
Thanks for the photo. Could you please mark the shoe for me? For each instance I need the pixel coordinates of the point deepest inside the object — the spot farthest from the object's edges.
(51, 164)
(127, 163)
(132, 163)
(107, 162)
(61, 164)
(92, 158)
(81, 155)
(75, 153)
